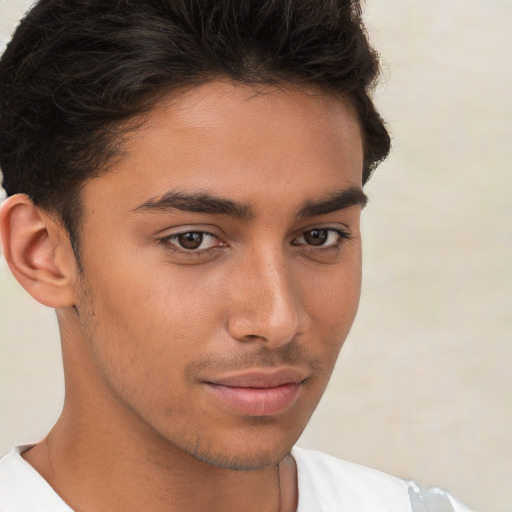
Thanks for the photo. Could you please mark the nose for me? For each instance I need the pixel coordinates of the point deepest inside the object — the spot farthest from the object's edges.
(266, 304)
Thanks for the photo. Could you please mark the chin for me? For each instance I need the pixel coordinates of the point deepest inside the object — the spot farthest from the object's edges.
(242, 462)
(242, 454)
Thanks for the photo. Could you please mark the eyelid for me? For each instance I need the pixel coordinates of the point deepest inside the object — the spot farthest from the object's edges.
(170, 243)
(210, 229)
(167, 239)
(343, 229)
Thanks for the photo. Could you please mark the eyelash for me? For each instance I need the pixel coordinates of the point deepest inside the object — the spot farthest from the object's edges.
(165, 241)
(344, 235)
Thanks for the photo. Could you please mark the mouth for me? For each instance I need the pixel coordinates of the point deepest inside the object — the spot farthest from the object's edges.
(259, 392)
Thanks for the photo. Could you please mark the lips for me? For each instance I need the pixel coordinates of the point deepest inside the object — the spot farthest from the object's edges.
(258, 392)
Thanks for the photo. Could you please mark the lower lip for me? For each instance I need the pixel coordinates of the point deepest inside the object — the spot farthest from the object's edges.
(258, 401)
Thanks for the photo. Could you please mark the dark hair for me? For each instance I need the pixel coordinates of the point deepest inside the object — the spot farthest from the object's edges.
(75, 70)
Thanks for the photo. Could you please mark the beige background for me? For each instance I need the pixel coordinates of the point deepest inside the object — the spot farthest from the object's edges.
(423, 388)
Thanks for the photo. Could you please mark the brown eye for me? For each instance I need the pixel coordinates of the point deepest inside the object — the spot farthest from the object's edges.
(191, 240)
(316, 236)
(322, 238)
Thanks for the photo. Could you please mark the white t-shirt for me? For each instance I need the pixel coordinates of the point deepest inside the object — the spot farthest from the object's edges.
(326, 484)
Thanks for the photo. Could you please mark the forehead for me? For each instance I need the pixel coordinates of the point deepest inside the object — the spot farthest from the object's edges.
(237, 141)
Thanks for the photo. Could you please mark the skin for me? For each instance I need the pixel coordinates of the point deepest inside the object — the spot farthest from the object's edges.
(150, 323)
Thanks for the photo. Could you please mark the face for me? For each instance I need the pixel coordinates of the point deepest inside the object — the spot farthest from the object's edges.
(222, 263)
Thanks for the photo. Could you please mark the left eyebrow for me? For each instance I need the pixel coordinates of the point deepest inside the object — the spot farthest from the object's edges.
(340, 200)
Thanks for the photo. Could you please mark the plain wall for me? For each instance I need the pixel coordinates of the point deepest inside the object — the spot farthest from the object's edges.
(423, 388)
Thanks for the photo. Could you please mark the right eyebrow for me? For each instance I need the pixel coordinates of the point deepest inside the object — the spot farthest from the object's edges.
(195, 203)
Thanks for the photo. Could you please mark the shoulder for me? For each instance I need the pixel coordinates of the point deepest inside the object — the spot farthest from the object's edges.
(433, 500)
(23, 488)
(328, 484)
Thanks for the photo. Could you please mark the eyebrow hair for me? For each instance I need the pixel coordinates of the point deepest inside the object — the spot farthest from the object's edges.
(206, 203)
(340, 200)
(196, 203)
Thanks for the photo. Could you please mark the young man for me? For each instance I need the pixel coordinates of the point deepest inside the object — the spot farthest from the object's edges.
(184, 184)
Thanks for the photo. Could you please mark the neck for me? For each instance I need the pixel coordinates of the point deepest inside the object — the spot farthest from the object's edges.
(100, 473)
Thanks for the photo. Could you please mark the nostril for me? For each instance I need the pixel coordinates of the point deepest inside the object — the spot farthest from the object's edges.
(252, 337)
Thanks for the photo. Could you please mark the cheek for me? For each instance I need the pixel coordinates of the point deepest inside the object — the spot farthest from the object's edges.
(143, 296)
(144, 323)
(332, 301)
(151, 318)
(331, 295)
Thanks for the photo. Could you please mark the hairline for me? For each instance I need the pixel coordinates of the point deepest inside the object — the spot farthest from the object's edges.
(125, 128)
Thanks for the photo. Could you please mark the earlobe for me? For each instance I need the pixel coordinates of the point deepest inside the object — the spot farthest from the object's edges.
(37, 252)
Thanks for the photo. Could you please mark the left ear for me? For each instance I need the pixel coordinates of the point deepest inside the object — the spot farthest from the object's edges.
(38, 252)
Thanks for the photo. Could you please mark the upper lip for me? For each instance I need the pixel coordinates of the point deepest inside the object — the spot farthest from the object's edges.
(260, 378)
